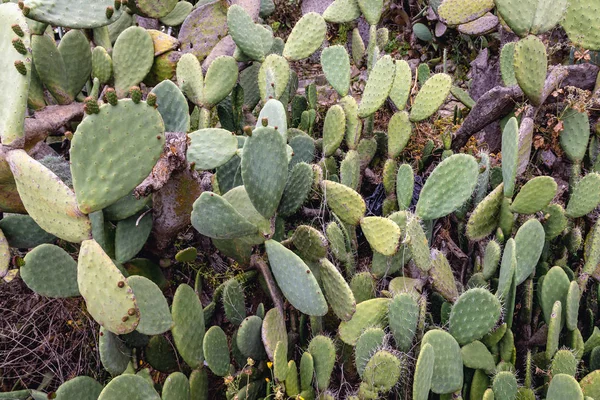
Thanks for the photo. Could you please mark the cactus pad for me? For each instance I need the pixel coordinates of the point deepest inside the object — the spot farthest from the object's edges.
(510, 155)
(47, 199)
(215, 217)
(555, 287)
(529, 243)
(581, 25)
(448, 367)
(133, 56)
(382, 234)
(273, 331)
(403, 315)
(297, 283)
(585, 196)
(306, 37)
(102, 169)
(418, 244)
(348, 205)
(211, 147)
(535, 195)
(109, 298)
(402, 84)
(273, 77)
(342, 11)
(378, 86)
(334, 128)
(81, 387)
(188, 328)
(216, 351)
(249, 338)
(474, 315)
(130, 386)
(336, 66)
(431, 96)
(50, 271)
(155, 317)
(531, 64)
(369, 313)
(450, 184)
(563, 386)
(575, 135)
(322, 350)
(338, 293)
(484, 219)
(457, 12)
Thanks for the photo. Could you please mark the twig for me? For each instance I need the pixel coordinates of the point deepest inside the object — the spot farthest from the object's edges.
(257, 262)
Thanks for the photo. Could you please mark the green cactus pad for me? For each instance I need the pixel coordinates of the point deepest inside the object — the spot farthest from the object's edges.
(476, 356)
(101, 64)
(382, 371)
(350, 170)
(554, 288)
(504, 386)
(178, 14)
(431, 96)
(401, 87)
(219, 81)
(529, 243)
(215, 217)
(342, 11)
(245, 33)
(77, 14)
(369, 342)
(152, 8)
(442, 276)
(264, 169)
(47, 199)
(336, 66)
(563, 386)
(75, 51)
(310, 243)
(572, 306)
(585, 196)
(531, 64)
(348, 205)
(125, 207)
(399, 132)
(491, 259)
(297, 283)
(590, 384)
(100, 178)
(457, 12)
(131, 235)
(484, 219)
(81, 387)
(155, 317)
(274, 113)
(450, 184)
(21, 231)
(369, 313)
(338, 293)
(353, 125)
(249, 338)
(575, 135)
(273, 331)
(306, 37)
(216, 351)
(114, 354)
(172, 107)
(109, 298)
(423, 373)
(510, 157)
(371, 10)
(190, 78)
(129, 386)
(280, 362)
(382, 234)
(591, 252)
(234, 302)
(133, 56)
(508, 269)
(581, 25)
(418, 244)
(322, 350)
(448, 367)
(507, 64)
(403, 315)
(176, 386)
(564, 362)
(378, 86)
(405, 183)
(273, 77)
(188, 327)
(204, 28)
(296, 189)
(51, 68)
(211, 148)
(49, 271)
(535, 195)
(334, 128)
(474, 315)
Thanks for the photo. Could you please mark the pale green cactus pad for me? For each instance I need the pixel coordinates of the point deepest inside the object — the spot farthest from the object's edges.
(402, 84)
(210, 148)
(155, 317)
(78, 14)
(447, 367)
(431, 96)
(50, 271)
(535, 195)
(369, 313)
(341, 11)
(273, 77)
(133, 56)
(47, 199)
(338, 293)
(188, 328)
(378, 86)
(581, 25)
(306, 37)
(456, 12)
(109, 298)
(348, 205)
(133, 387)
(336, 66)
(474, 315)
(531, 64)
(382, 234)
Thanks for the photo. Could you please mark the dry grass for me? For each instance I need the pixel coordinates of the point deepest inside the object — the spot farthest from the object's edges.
(44, 341)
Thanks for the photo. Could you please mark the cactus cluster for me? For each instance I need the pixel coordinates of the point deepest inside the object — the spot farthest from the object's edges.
(473, 270)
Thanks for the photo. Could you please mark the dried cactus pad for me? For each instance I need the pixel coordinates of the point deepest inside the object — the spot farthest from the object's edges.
(113, 151)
